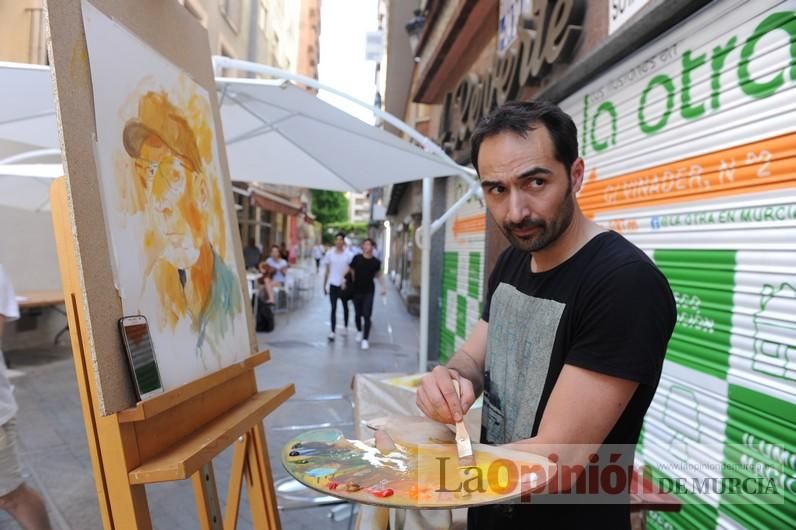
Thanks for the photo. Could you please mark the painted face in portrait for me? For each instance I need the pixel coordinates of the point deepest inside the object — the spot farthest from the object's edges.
(167, 168)
(178, 197)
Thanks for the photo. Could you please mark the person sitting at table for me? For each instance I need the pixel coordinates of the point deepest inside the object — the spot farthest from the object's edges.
(251, 254)
(279, 264)
(266, 283)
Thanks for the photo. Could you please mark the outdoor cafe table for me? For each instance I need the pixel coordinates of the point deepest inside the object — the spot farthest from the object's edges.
(53, 300)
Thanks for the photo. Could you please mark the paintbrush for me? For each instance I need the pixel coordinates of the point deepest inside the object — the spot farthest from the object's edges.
(463, 445)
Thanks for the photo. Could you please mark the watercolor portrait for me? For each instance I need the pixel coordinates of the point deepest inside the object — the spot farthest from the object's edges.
(163, 192)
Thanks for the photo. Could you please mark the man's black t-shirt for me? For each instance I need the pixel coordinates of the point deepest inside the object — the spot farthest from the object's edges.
(365, 270)
(607, 309)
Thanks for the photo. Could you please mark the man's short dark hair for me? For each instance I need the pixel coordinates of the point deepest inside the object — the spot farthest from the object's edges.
(340, 235)
(519, 117)
(369, 240)
(274, 246)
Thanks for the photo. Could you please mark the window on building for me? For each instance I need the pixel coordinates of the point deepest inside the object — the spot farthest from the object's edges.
(262, 17)
(231, 9)
(196, 10)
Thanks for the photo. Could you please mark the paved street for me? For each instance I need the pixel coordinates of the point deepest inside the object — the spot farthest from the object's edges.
(53, 441)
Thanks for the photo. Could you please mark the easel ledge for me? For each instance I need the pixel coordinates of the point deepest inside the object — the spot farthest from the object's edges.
(167, 400)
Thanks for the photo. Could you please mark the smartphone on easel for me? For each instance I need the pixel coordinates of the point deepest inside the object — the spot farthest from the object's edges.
(140, 356)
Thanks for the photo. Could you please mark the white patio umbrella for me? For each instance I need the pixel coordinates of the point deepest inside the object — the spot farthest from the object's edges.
(279, 133)
(27, 112)
(28, 133)
(27, 187)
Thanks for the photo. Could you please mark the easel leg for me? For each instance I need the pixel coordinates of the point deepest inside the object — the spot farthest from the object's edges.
(262, 497)
(121, 505)
(236, 483)
(206, 494)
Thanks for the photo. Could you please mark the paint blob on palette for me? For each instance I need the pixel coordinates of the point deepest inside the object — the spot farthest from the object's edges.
(425, 476)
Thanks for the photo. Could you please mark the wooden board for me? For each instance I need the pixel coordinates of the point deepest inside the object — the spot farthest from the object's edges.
(189, 455)
(36, 299)
(412, 478)
(169, 29)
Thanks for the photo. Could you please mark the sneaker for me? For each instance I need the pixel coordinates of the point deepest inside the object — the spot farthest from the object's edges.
(331, 336)
(359, 336)
(343, 332)
(365, 344)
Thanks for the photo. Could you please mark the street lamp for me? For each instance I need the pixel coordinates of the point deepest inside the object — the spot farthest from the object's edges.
(415, 28)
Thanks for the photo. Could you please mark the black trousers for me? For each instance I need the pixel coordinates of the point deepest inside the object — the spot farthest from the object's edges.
(335, 293)
(363, 309)
(317, 264)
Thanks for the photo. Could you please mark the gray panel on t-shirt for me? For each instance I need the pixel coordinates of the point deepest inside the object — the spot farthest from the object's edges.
(522, 330)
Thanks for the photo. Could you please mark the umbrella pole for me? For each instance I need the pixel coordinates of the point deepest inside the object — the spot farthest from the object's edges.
(425, 274)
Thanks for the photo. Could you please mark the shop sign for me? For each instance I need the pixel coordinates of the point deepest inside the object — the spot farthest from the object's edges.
(620, 11)
(743, 60)
(508, 19)
(549, 36)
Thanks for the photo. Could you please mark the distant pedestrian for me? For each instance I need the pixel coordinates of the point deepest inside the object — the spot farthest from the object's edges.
(17, 498)
(365, 268)
(337, 261)
(252, 255)
(317, 255)
(283, 251)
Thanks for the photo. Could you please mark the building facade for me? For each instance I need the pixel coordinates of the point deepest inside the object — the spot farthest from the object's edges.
(309, 45)
(23, 32)
(685, 116)
(358, 207)
(264, 31)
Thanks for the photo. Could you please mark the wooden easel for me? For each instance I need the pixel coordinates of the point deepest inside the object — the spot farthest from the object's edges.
(175, 435)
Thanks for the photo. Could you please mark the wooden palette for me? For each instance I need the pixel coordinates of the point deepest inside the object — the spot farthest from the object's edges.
(424, 476)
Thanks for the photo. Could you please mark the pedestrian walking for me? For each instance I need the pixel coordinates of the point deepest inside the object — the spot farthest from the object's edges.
(317, 255)
(17, 498)
(336, 262)
(365, 268)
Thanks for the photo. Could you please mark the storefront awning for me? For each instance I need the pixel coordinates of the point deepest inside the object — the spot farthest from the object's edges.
(274, 203)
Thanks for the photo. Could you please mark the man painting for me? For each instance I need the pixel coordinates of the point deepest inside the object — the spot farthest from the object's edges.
(178, 201)
(570, 346)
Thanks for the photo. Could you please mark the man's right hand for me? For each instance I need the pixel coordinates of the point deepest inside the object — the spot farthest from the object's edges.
(437, 398)
(325, 291)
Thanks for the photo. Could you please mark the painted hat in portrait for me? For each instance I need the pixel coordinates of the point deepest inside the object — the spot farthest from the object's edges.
(158, 117)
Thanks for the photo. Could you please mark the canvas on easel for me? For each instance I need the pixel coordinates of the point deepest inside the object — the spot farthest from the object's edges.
(167, 219)
(144, 224)
(149, 189)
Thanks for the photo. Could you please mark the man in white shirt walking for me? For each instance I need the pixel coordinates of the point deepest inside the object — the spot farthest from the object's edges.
(337, 261)
(16, 497)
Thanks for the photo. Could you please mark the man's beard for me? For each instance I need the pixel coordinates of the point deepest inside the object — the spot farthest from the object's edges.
(546, 233)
